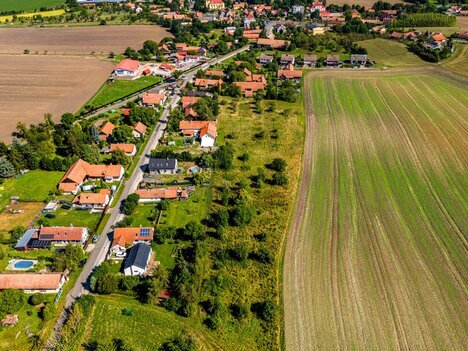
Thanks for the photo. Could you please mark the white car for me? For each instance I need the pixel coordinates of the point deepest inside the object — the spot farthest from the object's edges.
(120, 254)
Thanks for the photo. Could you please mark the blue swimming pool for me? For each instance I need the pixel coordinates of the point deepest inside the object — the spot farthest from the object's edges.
(23, 264)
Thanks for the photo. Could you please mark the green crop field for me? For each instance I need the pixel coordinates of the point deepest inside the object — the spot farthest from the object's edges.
(28, 5)
(120, 88)
(376, 258)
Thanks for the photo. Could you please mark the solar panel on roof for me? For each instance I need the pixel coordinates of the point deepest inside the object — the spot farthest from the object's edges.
(144, 232)
(46, 236)
(39, 243)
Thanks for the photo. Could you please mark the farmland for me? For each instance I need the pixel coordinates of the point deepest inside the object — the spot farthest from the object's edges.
(366, 3)
(60, 75)
(28, 5)
(31, 14)
(31, 86)
(376, 253)
(78, 40)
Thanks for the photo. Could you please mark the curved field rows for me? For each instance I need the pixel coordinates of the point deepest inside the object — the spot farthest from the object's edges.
(376, 257)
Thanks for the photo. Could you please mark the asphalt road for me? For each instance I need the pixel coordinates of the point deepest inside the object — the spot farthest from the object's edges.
(101, 248)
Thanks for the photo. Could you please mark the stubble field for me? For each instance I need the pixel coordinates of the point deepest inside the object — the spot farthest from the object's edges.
(31, 86)
(58, 75)
(78, 40)
(376, 258)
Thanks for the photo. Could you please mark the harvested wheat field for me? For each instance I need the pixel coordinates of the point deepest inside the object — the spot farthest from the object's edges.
(31, 86)
(376, 257)
(9, 220)
(78, 40)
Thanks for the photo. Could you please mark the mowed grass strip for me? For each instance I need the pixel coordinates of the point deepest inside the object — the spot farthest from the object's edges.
(381, 255)
(120, 88)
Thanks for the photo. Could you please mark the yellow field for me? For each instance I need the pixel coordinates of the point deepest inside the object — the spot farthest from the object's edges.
(31, 14)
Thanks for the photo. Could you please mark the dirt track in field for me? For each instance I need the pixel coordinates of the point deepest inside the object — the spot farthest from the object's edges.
(31, 86)
(78, 40)
(376, 254)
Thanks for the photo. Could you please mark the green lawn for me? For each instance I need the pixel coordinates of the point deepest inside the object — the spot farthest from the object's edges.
(43, 256)
(32, 186)
(15, 337)
(28, 5)
(120, 88)
(163, 254)
(182, 212)
(390, 53)
(142, 215)
(77, 218)
(146, 329)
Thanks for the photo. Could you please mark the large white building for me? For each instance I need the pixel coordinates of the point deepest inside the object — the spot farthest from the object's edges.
(138, 260)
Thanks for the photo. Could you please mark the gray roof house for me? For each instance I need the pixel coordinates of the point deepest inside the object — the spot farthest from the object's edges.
(162, 165)
(137, 260)
(358, 59)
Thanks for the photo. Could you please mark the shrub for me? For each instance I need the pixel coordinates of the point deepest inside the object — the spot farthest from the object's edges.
(48, 312)
(265, 310)
(36, 299)
(131, 203)
(242, 215)
(183, 342)
(239, 311)
(279, 178)
(127, 311)
(278, 164)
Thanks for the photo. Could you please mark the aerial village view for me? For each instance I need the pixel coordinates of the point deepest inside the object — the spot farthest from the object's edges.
(182, 175)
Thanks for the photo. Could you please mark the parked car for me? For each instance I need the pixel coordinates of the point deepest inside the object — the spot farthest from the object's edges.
(120, 254)
(95, 238)
(50, 215)
(83, 262)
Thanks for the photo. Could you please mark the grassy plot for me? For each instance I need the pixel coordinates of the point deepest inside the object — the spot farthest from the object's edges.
(163, 253)
(264, 136)
(146, 329)
(28, 5)
(31, 186)
(15, 337)
(77, 218)
(390, 53)
(195, 208)
(143, 215)
(458, 62)
(120, 88)
(9, 220)
(376, 257)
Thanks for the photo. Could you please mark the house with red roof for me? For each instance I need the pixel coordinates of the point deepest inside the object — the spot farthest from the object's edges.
(152, 99)
(213, 5)
(156, 195)
(92, 201)
(208, 83)
(127, 68)
(81, 170)
(127, 237)
(289, 74)
(317, 6)
(436, 40)
(139, 130)
(106, 130)
(128, 148)
(204, 130)
(30, 283)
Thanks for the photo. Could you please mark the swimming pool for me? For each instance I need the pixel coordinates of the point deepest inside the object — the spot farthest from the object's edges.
(23, 264)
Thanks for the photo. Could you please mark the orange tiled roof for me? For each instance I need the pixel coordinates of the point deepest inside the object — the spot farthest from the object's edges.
(61, 233)
(170, 193)
(188, 101)
(210, 129)
(127, 148)
(30, 281)
(289, 74)
(194, 125)
(107, 128)
(91, 198)
(200, 82)
(127, 236)
(153, 98)
(140, 128)
(213, 73)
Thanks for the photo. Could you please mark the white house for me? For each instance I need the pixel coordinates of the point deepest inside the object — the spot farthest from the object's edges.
(208, 135)
(126, 69)
(138, 260)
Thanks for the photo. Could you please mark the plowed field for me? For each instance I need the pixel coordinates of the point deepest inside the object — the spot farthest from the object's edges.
(376, 258)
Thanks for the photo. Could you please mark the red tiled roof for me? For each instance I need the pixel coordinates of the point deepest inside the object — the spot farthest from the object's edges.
(213, 73)
(200, 82)
(140, 128)
(188, 101)
(273, 43)
(289, 74)
(127, 236)
(107, 128)
(61, 233)
(30, 281)
(170, 193)
(91, 199)
(210, 129)
(128, 65)
(127, 148)
(153, 98)
(194, 125)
